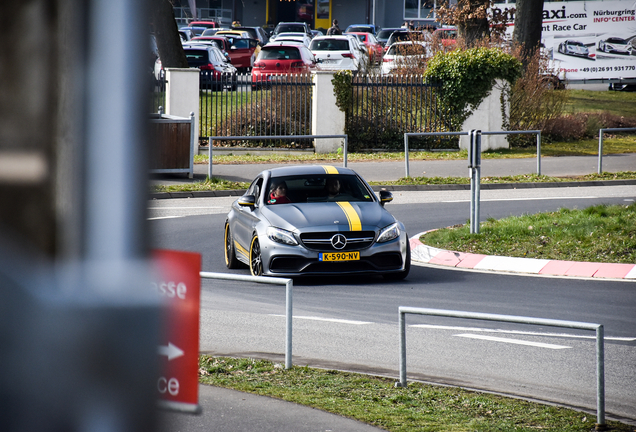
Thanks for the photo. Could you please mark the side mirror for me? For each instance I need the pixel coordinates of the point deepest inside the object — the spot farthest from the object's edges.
(247, 201)
(385, 197)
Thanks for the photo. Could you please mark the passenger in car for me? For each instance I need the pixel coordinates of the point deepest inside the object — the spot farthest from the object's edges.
(278, 194)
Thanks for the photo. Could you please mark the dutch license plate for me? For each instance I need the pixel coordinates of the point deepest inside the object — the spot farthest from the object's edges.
(339, 256)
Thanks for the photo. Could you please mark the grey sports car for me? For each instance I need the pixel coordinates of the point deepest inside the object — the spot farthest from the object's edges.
(315, 220)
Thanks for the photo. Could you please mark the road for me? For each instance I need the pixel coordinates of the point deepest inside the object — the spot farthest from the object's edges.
(351, 323)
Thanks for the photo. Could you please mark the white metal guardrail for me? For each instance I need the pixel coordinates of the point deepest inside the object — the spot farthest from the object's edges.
(598, 328)
(413, 134)
(289, 287)
(263, 137)
(600, 143)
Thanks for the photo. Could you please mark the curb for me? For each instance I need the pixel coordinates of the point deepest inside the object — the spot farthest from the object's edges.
(440, 187)
(431, 255)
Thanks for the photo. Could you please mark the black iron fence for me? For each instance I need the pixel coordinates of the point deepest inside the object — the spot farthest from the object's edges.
(385, 107)
(158, 93)
(235, 105)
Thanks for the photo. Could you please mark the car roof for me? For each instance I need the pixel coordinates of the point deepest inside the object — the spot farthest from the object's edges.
(308, 170)
(331, 37)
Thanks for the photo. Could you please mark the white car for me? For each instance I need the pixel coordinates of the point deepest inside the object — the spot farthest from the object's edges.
(405, 55)
(291, 37)
(342, 52)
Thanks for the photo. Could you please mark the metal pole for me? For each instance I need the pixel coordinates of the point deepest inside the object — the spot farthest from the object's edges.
(600, 378)
(477, 155)
(406, 154)
(288, 324)
(600, 151)
(191, 161)
(539, 153)
(471, 173)
(344, 151)
(402, 321)
(210, 142)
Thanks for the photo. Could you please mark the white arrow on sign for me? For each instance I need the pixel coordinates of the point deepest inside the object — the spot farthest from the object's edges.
(170, 351)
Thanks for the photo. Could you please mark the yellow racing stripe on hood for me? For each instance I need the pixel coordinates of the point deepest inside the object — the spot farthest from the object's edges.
(352, 216)
(330, 169)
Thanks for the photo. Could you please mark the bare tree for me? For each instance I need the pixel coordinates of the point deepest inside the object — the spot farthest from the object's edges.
(470, 17)
(166, 34)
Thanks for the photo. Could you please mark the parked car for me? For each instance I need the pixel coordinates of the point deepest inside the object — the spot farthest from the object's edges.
(216, 72)
(383, 35)
(233, 33)
(328, 222)
(291, 27)
(290, 37)
(574, 48)
(407, 35)
(212, 31)
(616, 45)
(255, 33)
(242, 52)
(186, 35)
(447, 35)
(374, 48)
(405, 55)
(196, 30)
(282, 58)
(362, 28)
(206, 24)
(339, 52)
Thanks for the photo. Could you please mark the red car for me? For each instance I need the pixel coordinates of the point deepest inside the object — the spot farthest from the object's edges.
(374, 48)
(281, 59)
(242, 51)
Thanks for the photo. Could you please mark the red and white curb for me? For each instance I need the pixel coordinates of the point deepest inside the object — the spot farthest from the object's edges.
(430, 255)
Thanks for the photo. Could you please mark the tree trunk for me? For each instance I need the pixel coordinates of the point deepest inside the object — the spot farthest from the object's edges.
(528, 23)
(475, 28)
(166, 34)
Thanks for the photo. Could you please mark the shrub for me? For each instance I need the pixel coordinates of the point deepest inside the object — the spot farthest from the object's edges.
(466, 78)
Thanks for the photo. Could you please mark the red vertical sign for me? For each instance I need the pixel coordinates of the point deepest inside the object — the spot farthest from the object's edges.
(179, 286)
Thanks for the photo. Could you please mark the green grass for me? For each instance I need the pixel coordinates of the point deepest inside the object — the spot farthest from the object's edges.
(586, 101)
(376, 401)
(600, 233)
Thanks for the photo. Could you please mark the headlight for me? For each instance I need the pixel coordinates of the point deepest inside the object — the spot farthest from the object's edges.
(389, 233)
(281, 236)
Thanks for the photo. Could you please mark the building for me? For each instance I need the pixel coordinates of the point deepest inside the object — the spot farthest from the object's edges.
(318, 13)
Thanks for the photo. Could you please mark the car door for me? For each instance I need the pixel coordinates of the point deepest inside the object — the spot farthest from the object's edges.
(247, 218)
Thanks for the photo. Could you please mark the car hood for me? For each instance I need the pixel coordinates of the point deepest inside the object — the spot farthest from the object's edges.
(327, 216)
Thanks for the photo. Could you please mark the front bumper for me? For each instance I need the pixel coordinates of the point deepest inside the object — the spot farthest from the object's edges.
(289, 261)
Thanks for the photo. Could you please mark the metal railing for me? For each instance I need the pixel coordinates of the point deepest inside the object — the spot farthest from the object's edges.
(412, 134)
(289, 288)
(598, 328)
(600, 143)
(213, 138)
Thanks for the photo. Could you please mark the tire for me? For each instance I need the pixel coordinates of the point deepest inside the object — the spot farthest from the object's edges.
(256, 261)
(407, 266)
(231, 261)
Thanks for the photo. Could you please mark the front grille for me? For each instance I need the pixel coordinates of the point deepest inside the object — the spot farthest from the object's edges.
(321, 241)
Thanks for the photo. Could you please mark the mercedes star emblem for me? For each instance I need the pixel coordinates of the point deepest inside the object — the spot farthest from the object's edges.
(338, 241)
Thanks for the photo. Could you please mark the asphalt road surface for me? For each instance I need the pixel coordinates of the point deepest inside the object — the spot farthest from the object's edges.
(351, 323)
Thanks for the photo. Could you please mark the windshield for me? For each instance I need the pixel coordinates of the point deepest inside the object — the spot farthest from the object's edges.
(290, 28)
(318, 188)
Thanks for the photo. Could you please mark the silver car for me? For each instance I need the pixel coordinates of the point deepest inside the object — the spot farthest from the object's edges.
(315, 220)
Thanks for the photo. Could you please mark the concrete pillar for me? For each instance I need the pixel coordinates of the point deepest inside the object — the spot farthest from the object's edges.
(182, 95)
(327, 119)
(487, 117)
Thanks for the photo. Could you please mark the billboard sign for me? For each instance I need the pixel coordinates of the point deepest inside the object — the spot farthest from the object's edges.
(589, 40)
(179, 286)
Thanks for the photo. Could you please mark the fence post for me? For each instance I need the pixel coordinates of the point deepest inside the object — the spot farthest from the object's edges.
(474, 162)
(600, 151)
(406, 154)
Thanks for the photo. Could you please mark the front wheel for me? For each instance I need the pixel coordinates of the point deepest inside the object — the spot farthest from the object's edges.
(407, 266)
(256, 261)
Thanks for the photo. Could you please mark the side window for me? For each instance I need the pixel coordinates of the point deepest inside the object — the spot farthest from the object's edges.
(255, 188)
